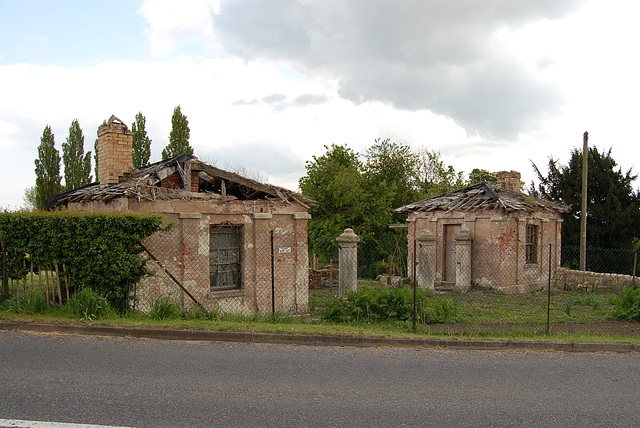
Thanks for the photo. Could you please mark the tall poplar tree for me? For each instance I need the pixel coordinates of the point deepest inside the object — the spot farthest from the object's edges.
(95, 156)
(95, 153)
(179, 136)
(77, 164)
(141, 142)
(47, 169)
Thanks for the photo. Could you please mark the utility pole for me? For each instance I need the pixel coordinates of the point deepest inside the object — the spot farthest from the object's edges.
(583, 216)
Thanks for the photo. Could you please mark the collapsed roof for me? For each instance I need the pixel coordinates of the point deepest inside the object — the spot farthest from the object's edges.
(151, 183)
(484, 197)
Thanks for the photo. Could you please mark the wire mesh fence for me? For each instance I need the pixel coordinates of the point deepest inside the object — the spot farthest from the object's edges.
(536, 295)
(386, 256)
(517, 268)
(232, 268)
(603, 260)
(224, 268)
(228, 268)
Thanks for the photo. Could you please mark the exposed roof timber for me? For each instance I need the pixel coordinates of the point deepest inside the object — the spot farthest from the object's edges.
(484, 196)
(165, 172)
(142, 184)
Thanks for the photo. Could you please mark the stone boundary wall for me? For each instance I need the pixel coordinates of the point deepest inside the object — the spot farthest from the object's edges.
(324, 278)
(575, 280)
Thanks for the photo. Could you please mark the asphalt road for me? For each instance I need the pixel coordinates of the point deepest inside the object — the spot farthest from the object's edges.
(161, 383)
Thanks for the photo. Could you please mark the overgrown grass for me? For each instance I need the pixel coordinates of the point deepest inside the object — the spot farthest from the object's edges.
(493, 307)
(465, 321)
(566, 307)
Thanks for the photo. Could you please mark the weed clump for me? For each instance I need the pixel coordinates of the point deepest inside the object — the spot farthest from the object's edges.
(31, 303)
(165, 309)
(382, 304)
(626, 305)
(88, 304)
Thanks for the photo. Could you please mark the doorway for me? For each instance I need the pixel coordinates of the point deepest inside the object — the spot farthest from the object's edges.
(450, 260)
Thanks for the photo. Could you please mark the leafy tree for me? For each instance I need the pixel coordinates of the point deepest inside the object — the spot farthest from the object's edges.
(47, 169)
(77, 164)
(335, 182)
(481, 175)
(391, 179)
(179, 136)
(363, 196)
(142, 143)
(391, 173)
(613, 213)
(30, 198)
(360, 195)
(435, 177)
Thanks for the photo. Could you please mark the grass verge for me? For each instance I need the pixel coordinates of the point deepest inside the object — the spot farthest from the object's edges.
(480, 315)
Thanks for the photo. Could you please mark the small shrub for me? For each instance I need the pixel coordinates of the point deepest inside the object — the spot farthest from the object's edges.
(88, 304)
(383, 304)
(437, 310)
(338, 310)
(165, 309)
(626, 305)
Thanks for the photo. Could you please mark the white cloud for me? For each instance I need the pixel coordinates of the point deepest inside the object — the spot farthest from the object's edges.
(414, 55)
(173, 24)
(266, 85)
(258, 136)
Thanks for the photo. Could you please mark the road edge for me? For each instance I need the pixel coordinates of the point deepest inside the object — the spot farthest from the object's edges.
(321, 340)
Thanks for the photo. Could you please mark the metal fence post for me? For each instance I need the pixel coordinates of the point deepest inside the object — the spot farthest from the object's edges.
(549, 292)
(635, 265)
(273, 277)
(5, 279)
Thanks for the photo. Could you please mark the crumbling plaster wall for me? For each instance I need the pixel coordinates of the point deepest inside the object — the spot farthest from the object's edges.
(184, 250)
(498, 256)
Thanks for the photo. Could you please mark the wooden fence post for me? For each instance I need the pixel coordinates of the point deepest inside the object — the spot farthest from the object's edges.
(58, 282)
(5, 279)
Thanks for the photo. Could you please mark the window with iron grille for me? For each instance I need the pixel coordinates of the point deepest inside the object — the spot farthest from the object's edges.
(224, 257)
(532, 244)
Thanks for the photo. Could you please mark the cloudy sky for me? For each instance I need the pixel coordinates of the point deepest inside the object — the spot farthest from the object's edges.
(266, 84)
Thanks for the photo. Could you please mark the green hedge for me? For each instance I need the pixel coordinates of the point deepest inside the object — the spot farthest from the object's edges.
(100, 251)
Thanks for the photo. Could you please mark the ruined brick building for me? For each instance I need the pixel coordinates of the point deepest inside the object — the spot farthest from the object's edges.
(488, 234)
(237, 245)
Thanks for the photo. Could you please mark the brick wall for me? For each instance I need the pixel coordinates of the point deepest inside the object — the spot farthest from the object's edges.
(114, 152)
(509, 180)
(174, 181)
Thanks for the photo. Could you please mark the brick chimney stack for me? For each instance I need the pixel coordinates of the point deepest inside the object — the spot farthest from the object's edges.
(114, 151)
(509, 180)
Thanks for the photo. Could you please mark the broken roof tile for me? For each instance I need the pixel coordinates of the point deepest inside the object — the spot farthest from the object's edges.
(142, 184)
(485, 197)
